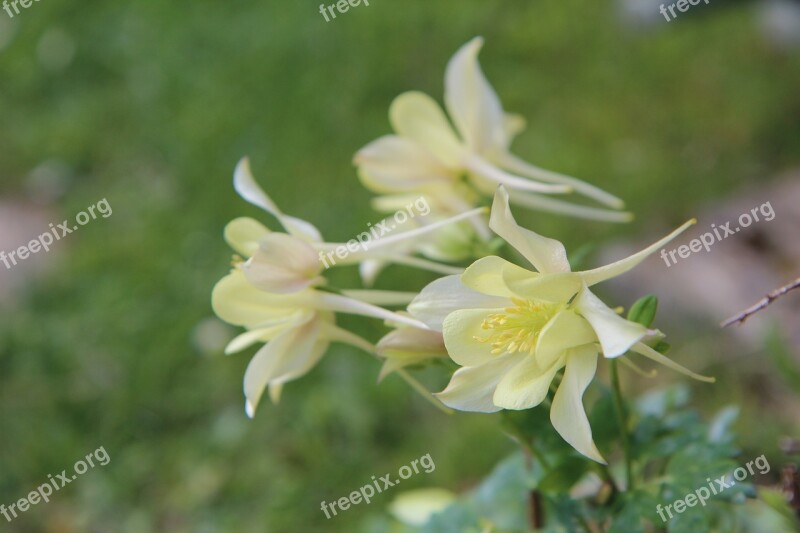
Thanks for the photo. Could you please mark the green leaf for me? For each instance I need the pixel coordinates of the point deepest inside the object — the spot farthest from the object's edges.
(643, 311)
(636, 508)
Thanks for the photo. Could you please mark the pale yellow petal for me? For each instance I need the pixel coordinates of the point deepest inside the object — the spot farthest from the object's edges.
(286, 357)
(526, 384)
(650, 353)
(237, 302)
(472, 102)
(615, 333)
(395, 164)
(486, 275)
(518, 166)
(567, 413)
(418, 117)
(546, 255)
(613, 270)
(461, 330)
(248, 338)
(566, 330)
(471, 388)
(555, 288)
(283, 264)
(445, 295)
(242, 234)
(245, 184)
(514, 125)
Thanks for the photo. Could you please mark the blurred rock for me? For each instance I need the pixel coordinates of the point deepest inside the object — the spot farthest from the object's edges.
(780, 22)
(21, 221)
(735, 273)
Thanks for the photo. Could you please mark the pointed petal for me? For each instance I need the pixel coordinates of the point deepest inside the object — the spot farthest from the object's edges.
(248, 189)
(248, 338)
(393, 164)
(369, 269)
(554, 205)
(597, 275)
(526, 384)
(275, 390)
(514, 125)
(404, 236)
(546, 255)
(472, 102)
(486, 175)
(445, 295)
(343, 304)
(281, 359)
(616, 334)
(650, 353)
(567, 412)
(566, 330)
(460, 331)
(471, 388)
(418, 117)
(242, 234)
(513, 164)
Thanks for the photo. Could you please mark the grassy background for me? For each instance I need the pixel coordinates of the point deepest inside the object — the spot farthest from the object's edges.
(150, 105)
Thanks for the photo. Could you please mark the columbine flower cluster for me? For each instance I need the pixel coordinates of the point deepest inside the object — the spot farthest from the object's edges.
(511, 330)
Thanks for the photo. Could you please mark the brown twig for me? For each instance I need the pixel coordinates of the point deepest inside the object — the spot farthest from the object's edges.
(764, 302)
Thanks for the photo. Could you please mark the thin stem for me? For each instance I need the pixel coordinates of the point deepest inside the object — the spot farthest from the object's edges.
(619, 408)
(761, 304)
(425, 393)
(344, 304)
(342, 335)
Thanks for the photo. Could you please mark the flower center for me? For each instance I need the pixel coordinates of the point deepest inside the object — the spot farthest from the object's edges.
(517, 328)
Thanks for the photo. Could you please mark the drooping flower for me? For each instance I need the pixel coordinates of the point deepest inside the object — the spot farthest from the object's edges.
(428, 156)
(276, 291)
(406, 346)
(512, 330)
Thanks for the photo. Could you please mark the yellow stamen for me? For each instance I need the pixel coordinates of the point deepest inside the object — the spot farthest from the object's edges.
(517, 329)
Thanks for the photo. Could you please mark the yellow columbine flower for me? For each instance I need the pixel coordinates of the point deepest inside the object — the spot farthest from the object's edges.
(273, 291)
(512, 330)
(428, 156)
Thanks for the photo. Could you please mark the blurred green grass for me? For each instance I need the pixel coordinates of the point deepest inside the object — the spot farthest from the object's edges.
(154, 110)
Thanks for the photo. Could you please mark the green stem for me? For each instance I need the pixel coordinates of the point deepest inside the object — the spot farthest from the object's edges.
(619, 408)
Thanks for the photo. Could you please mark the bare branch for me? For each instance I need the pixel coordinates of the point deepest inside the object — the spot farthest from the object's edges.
(764, 302)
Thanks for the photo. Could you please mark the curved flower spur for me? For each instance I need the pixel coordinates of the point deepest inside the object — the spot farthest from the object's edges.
(277, 292)
(512, 330)
(428, 156)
